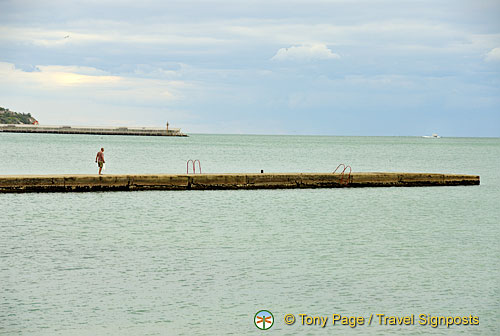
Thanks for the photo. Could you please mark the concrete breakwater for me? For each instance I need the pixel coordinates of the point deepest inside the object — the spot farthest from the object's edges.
(145, 131)
(82, 183)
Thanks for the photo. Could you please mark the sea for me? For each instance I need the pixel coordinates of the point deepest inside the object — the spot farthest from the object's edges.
(205, 262)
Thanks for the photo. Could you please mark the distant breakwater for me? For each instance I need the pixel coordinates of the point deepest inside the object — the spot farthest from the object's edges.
(140, 131)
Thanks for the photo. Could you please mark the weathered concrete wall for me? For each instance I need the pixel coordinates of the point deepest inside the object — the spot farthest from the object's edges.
(64, 183)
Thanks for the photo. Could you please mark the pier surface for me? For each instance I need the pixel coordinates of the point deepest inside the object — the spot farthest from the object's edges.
(147, 131)
(79, 183)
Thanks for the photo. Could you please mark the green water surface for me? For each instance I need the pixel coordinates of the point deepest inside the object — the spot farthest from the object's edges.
(204, 262)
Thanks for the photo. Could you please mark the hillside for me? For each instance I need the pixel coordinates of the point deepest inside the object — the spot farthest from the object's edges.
(10, 117)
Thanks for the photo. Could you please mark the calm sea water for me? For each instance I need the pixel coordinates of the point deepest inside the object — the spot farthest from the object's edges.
(204, 262)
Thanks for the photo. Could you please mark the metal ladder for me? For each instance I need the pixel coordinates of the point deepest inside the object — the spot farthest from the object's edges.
(343, 173)
(194, 166)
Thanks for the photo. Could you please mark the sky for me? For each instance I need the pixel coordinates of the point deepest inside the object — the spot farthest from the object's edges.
(312, 67)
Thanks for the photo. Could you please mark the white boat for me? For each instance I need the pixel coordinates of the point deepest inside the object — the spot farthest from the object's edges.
(433, 136)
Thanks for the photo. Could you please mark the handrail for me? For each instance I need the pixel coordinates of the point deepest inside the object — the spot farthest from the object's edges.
(338, 167)
(343, 172)
(194, 166)
(348, 177)
(199, 165)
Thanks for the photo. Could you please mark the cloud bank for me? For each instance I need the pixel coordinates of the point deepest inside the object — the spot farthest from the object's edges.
(286, 67)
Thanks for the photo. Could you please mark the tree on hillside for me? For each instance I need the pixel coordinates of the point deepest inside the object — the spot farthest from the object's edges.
(10, 117)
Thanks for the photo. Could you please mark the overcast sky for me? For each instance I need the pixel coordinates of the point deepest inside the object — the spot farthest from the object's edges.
(335, 67)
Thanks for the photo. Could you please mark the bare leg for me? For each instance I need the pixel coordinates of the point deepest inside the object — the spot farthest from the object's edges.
(100, 168)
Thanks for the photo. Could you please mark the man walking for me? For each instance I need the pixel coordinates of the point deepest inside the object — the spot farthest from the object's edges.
(99, 158)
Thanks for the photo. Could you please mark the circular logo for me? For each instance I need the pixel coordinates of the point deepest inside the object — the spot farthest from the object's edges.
(264, 319)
